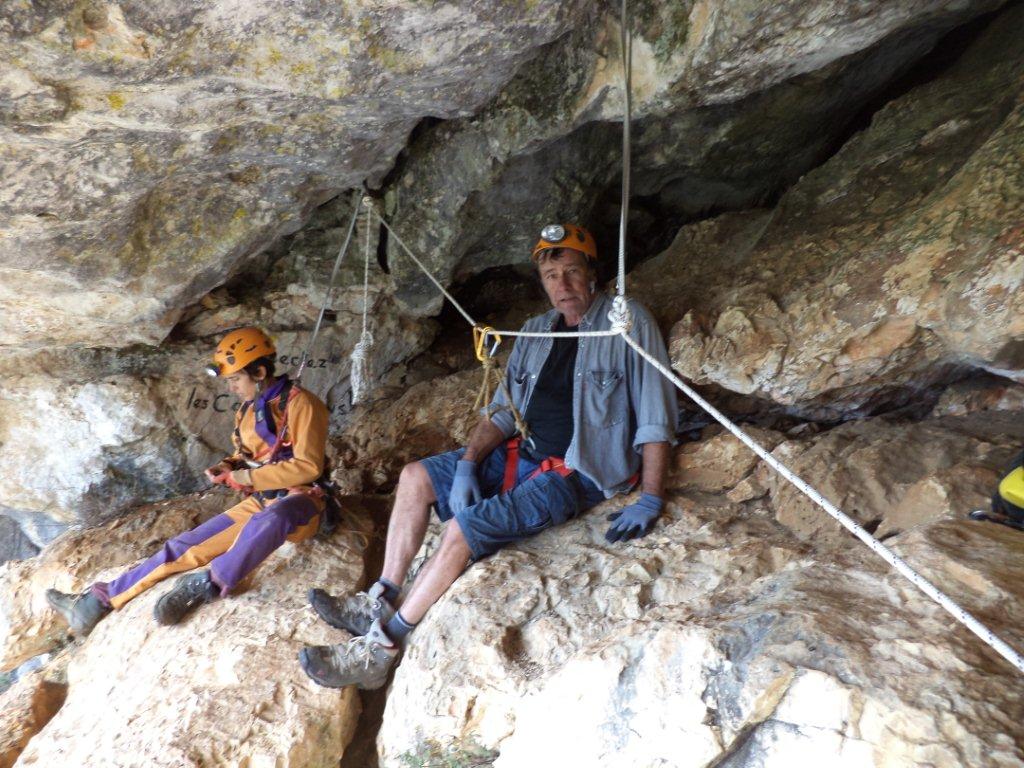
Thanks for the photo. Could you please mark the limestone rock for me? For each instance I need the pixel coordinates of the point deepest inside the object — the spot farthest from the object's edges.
(890, 268)
(14, 545)
(975, 395)
(74, 561)
(225, 687)
(150, 149)
(718, 463)
(148, 421)
(25, 708)
(124, 448)
(717, 88)
(431, 417)
(716, 640)
(892, 477)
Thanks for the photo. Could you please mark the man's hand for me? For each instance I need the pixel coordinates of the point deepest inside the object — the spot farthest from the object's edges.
(465, 488)
(634, 521)
(213, 473)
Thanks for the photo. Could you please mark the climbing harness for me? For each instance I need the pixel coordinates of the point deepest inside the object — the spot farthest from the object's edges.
(621, 322)
(554, 464)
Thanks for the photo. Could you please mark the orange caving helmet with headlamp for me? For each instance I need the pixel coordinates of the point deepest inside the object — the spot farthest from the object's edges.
(239, 348)
(566, 236)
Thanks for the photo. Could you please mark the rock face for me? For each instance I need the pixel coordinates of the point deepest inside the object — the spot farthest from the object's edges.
(888, 269)
(894, 479)
(716, 87)
(151, 148)
(25, 708)
(14, 544)
(431, 417)
(721, 639)
(200, 693)
(27, 624)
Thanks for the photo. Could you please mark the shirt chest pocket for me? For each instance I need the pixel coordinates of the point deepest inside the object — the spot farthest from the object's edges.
(518, 383)
(604, 398)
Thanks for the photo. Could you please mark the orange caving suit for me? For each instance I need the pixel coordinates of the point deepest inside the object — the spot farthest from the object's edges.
(285, 507)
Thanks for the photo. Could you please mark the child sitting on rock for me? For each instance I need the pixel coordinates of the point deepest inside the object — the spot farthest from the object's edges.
(280, 437)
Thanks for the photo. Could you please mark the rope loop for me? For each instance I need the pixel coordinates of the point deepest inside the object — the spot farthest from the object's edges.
(620, 316)
(360, 375)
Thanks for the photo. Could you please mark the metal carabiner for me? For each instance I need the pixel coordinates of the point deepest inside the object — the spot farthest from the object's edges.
(480, 336)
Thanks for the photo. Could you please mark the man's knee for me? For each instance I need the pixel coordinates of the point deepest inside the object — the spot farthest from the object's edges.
(415, 479)
(453, 538)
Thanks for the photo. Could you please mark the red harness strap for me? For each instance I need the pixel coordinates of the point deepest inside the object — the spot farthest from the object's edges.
(550, 464)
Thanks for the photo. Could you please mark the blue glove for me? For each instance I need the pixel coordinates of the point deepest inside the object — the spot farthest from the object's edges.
(465, 488)
(636, 520)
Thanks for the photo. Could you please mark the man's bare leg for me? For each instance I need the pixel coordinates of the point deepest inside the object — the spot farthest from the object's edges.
(408, 524)
(439, 573)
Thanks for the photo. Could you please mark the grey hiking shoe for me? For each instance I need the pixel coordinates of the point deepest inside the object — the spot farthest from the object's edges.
(353, 613)
(363, 661)
(189, 592)
(82, 612)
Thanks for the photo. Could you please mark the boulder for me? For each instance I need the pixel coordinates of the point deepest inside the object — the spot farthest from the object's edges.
(891, 268)
(430, 417)
(719, 462)
(980, 394)
(224, 687)
(892, 477)
(717, 640)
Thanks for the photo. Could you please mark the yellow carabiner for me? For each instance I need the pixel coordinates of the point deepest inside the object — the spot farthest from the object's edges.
(480, 334)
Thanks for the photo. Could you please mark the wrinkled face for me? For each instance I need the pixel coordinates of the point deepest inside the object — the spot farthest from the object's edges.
(566, 276)
(242, 385)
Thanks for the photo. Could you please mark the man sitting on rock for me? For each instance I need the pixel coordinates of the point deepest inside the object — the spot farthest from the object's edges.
(591, 400)
(280, 438)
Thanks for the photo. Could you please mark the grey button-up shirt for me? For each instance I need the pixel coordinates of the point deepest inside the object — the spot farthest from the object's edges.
(620, 401)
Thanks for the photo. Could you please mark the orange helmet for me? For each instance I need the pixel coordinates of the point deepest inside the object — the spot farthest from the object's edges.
(239, 348)
(566, 236)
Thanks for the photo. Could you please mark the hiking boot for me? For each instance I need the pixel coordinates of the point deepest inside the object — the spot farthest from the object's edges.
(363, 661)
(353, 613)
(82, 612)
(189, 592)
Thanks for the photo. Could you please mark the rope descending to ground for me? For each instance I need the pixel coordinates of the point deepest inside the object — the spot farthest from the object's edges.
(360, 357)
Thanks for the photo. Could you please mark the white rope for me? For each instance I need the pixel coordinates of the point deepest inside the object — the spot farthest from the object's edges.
(626, 39)
(557, 334)
(360, 357)
(847, 522)
(308, 351)
(427, 272)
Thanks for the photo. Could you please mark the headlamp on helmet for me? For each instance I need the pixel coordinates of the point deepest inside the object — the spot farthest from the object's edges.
(553, 233)
(239, 348)
(566, 236)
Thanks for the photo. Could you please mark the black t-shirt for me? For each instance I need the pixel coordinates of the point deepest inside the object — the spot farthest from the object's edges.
(549, 414)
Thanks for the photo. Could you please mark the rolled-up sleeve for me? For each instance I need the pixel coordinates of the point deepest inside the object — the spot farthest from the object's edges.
(653, 396)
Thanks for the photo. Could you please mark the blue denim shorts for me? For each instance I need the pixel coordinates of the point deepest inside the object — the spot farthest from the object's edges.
(500, 518)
